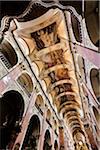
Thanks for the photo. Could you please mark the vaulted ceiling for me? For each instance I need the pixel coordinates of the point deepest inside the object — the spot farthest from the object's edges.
(91, 13)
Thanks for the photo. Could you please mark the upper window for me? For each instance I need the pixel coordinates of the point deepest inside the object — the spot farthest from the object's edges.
(76, 28)
(8, 54)
(26, 82)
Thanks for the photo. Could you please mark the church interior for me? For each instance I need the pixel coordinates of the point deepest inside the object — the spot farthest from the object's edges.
(49, 75)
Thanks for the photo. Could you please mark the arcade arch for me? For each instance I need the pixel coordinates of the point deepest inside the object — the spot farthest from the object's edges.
(47, 141)
(32, 135)
(55, 145)
(26, 83)
(11, 112)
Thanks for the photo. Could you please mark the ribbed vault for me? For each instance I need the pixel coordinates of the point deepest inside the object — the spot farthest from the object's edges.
(57, 66)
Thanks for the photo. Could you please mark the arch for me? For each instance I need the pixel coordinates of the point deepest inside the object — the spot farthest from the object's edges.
(95, 82)
(56, 145)
(76, 27)
(26, 82)
(96, 114)
(47, 141)
(39, 102)
(11, 112)
(32, 135)
(92, 15)
(8, 54)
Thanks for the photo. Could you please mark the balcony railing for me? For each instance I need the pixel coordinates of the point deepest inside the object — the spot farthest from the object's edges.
(5, 61)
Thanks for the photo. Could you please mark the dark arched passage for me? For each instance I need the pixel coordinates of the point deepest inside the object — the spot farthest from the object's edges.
(47, 141)
(32, 134)
(56, 145)
(11, 112)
